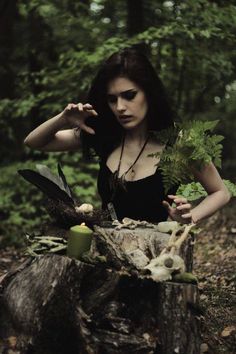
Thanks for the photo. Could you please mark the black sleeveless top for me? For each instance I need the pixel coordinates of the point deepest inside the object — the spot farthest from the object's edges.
(142, 199)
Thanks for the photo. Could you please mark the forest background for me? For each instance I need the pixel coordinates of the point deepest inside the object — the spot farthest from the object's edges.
(49, 52)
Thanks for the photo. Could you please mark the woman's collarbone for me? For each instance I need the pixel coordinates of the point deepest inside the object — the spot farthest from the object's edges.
(144, 167)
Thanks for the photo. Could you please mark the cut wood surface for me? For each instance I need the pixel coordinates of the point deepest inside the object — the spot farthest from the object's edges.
(134, 248)
(60, 305)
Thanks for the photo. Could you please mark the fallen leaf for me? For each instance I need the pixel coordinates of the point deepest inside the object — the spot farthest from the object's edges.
(11, 342)
(6, 260)
(227, 331)
(203, 297)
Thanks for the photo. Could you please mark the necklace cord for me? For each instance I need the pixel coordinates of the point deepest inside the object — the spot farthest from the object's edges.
(121, 155)
(115, 180)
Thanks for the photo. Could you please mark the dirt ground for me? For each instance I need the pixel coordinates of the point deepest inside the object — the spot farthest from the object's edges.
(215, 267)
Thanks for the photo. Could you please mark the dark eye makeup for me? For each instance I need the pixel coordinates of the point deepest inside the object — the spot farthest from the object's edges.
(127, 95)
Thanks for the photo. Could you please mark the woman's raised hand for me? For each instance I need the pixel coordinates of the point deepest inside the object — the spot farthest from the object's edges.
(182, 210)
(76, 114)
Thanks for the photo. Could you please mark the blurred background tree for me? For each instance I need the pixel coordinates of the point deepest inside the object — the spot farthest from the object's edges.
(50, 50)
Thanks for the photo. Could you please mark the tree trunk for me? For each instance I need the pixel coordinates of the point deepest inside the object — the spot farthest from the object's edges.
(135, 19)
(60, 305)
(8, 13)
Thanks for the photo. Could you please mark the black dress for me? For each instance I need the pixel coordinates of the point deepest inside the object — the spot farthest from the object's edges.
(142, 199)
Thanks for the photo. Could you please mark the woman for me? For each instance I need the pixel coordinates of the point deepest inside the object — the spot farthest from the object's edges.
(126, 104)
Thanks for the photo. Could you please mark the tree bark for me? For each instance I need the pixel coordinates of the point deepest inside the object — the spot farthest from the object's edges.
(8, 13)
(60, 305)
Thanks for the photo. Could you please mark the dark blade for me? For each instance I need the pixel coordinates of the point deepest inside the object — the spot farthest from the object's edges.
(112, 211)
(46, 186)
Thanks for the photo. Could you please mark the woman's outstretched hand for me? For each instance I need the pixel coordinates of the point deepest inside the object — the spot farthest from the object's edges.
(76, 114)
(182, 210)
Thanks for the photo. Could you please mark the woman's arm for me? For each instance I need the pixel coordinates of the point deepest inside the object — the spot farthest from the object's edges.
(218, 196)
(61, 133)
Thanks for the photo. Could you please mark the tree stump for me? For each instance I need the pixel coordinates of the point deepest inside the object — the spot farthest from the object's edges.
(60, 305)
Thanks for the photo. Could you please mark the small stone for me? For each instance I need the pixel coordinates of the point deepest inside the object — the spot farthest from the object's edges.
(203, 297)
(204, 348)
(146, 336)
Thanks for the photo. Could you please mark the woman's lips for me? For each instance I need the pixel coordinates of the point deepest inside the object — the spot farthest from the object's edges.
(125, 118)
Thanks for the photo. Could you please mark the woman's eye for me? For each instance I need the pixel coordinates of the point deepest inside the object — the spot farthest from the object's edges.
(129, 95)
(111, 99)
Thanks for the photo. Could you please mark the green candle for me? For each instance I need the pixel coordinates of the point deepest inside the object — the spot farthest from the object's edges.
(79, 240)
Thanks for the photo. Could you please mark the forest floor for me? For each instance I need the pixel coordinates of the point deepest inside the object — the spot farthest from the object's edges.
(215, 267)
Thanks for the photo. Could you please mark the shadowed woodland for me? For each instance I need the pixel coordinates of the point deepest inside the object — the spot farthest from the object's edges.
(49, 53)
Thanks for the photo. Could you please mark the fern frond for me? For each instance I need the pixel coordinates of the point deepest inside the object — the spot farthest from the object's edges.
(193, 191)
(188, 144)
(231, 187)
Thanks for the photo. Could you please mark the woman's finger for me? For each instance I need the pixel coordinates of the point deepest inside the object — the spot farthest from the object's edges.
(69, 106)
(80, 107)
(177, 198)
(186, 216)
(184, 206)
(92, 112)
(180, 200)
(88, 105)
(171, 196)
(166, 205)
(89, 108)
(86, 128)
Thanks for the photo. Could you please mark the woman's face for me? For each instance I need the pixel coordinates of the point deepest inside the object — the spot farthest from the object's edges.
(128, 102)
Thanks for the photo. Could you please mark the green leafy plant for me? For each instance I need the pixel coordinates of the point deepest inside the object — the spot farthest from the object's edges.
(194, 190)
(189, 145)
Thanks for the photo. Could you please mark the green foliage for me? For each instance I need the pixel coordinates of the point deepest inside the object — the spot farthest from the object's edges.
(191, 191)
(38, 245)
(194, 190)
(20, 207)
(54, 48)
(193, 147)
(231, 187)
(55, 65)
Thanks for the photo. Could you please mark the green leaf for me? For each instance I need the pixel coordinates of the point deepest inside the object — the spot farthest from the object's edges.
(192, 146)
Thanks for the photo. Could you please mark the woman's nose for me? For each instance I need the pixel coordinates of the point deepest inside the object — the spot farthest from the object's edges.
(120, 106)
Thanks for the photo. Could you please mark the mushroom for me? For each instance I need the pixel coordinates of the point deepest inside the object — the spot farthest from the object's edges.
(84, 208)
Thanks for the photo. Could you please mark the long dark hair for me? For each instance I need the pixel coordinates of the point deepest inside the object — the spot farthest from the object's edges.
(135, 66)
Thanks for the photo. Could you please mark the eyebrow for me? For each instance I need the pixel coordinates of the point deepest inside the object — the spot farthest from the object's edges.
(122, 92)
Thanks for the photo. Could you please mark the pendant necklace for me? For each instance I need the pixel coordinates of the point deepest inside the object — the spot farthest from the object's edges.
(120, 181)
